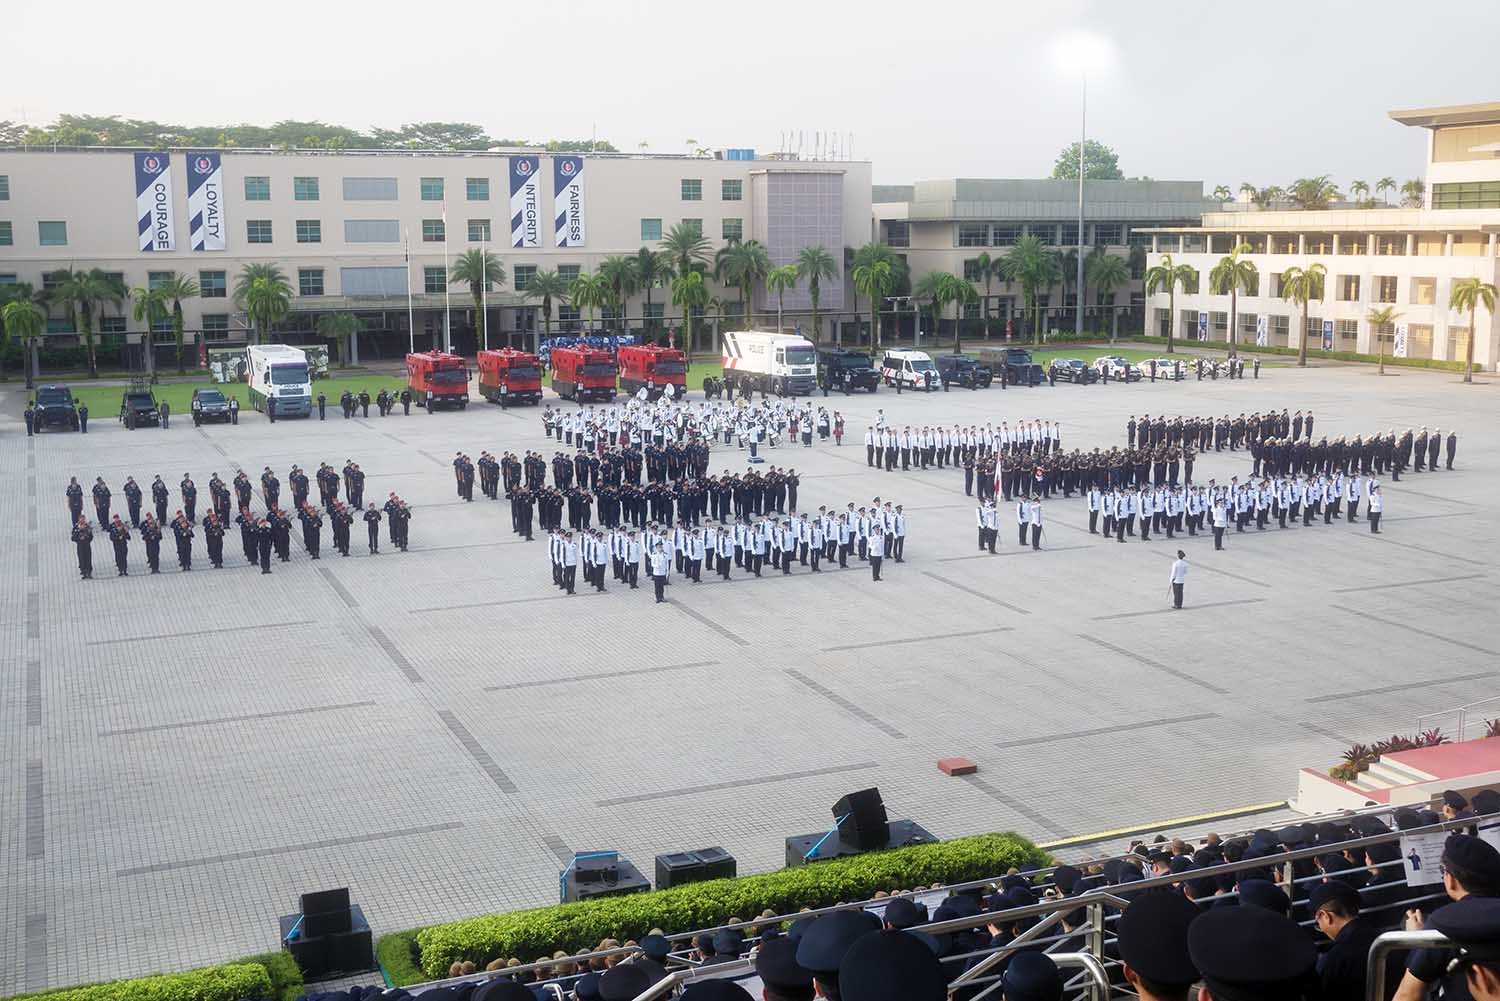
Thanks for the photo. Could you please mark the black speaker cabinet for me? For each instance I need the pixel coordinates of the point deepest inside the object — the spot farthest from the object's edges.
(324, 956)
(596, 867)
(326, 913)
(864, 827)
(694, 867)
(627, 879)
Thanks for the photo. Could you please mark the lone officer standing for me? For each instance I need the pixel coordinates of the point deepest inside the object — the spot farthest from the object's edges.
(30, 415)
(1178, 578)
(372, 526)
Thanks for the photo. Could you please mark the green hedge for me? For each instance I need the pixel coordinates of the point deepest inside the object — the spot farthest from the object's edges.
(1313, 353)
(541, 931)
(285, 974)
(397, 955)
(233, 982)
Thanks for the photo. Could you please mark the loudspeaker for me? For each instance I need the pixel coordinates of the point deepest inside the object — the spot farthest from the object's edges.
(693, 867)
(864, 827)
(350, 951)
(596, 867)
(627, 879)
(823, 846)
(326, 912)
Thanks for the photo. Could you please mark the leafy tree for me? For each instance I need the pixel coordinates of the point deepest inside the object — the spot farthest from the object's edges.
(1168, 275)
(1222, 193)
(575, 146)
(177, 288)
(265, 295)
(940, 288)
(1385, 186)
(652, 269)
(546, 286)
(1107, 272)
(339, 328)
(618, 272)
(1298, 286)
(686, 247)
(1313, 193)
(1029, 262)
(1469, 294)
(1360, 191)
(590, 291)
(743, 264)
(1380, 320)
(25, 321)
(884, 281)
(434, 135)
(1413, 193)
(149, 307)
(986, 270)
(1231, 274)
(778, 280)
(689, 292)
(1100, 163)
(81, 293)
(1249, 190)
(814, 266)
(475, 267)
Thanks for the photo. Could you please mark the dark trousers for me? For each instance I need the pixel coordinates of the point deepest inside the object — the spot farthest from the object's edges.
(1023, 526)
(570, 578)
(1036, 536)
(1218, 537)
(875, 567)
(1093, 521)
(660, 583)
(1177, 595)
(1375, 522)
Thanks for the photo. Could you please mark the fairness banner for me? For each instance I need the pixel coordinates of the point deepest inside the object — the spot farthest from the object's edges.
(1399, 347)
(567, 200)
(1327, 335)
(1262, 336)
(525, 202)
(155, 217)
(1202, 326)
(205, 201)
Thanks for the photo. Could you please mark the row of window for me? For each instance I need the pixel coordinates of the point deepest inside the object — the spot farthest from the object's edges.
(48, 234)
(433, 189)
(988, 234)
(729, 229)
(1346, 288)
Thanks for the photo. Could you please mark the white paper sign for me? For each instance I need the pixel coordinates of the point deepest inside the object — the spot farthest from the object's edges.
(1491, 833)
(1421, 855)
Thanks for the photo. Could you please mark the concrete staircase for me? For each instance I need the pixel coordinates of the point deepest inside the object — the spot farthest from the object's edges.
(1388, 774)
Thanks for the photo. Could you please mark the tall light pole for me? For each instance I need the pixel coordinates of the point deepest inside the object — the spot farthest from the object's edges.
(1083, 132)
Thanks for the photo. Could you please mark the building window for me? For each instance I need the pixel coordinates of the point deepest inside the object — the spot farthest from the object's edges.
(650, 230)
(1276, 292)
(1140, 238)
(568, 272)
(370, 189)
(257, 189)
(305, 189)
(1314, 330)
(1252, 287)
(1467, 195)
(215, 326)
(477, 189)
(116, 325)
(973, 234)
(898, 233)
(1385, 288)
(1069, 235)
(971, 311)
(433, 231)
(1247, 323)
(1423, 291)
(156, 279)
(479, 230)
(971, 271)
(434, 280)
(695, 225)
(1348, 288)
(568, 316)
(258, 230)
(1047, 234)
(309, 231)
(1004, 236)
(521, 276)
(309, 281)
(733, 229)
(4, 187)
(7, 238)
(655, 311)
(1281, 326)
(372, 231)
(732, 190)
(52, 234)
(1110, 234)
(211, 285)
(432, 189)
(692, 189)
(1347, 330)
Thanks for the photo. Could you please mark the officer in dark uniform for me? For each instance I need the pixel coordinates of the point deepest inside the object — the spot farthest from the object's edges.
(312, 529)
(1153, 943)
(246, 521)
(75, 501)
(189, 497)
(83, 538)
(1280, 966)
(133, 498)
(406, 402)
(151, 535)
(322, 406)
(263, 545)
(101, 500)
(182, 529)
(1335, 909)
(119, 537)
(824, 944)
(364, 403)
(213, 538)
(372, 526)
(83, 418)
(900, 966)
(1473, 925)
(1471, 871)
(30, 415)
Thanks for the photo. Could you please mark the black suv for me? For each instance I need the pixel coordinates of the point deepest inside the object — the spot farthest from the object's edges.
(961, 370)
(138, 407)
(55, 408)
(209, 405)
(1020, 370)
(846, 370)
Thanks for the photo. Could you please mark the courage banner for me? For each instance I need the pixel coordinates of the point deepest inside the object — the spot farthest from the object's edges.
(155, 215)
(567, 200)
(205, 201)
(525, 201)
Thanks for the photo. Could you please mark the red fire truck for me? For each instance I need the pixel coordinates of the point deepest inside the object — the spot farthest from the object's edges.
(445, 376)
(583, 374)
(509, 376)
(654, 368)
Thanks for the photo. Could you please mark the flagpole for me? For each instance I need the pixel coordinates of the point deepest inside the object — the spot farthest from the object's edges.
(411, 325)
(447, 298)
(484, 292)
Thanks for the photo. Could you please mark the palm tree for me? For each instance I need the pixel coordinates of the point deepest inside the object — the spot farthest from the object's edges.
(1067, 266)
(149, 307)
(478, 269)
(590, 291)
(546, 286)
(715, 305)
(1231, 274)
(1385, 186)
(339, 328)
(177, 288)
(687, 248)
(1222, 193)
(778, 280)
(1299, 285)
(1313, 192)
(985, 270)
(618, 273)
(931, 289)
(1107, 272)
(814, 265)
(690, 292)
(651, 269)
(1413, 193)
(1168, 275)
(744, 264)
(885, 280)
(1030, 262)
(265, 295)
(1379, 320)
(1470, 294)
(80, 293)
(1249, 189)
(25, 321)
(1359, 189)
(941, 288)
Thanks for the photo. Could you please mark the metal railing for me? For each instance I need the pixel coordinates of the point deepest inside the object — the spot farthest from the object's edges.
(1388, 943)
(1460, 715)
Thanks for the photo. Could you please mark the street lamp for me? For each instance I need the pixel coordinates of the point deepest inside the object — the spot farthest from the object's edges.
(1080, 53)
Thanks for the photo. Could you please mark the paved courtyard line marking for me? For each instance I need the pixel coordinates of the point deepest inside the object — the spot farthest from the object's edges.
(728, 634)
(916, 639)
(1340, 696)
(1421, 632)
(1097, 731)
(1409, 583)
(1421, 549)
(33, 693)
(1008, 552)
(36, 952)
(248, 718)
(1331, 735)
(1148, 662)
(601, 675)
(503, 601)
(306, 846)
(1185, 608)
(481, 757)
(36, 817)
(33, 616)
(440, 462)
(975, 592)
(736, 784)
(557, 846)
(1175, 822)
(199, 632)
(33, 559)
(338, 588)
(394, 652)
(1039, 819)
(847, 706)
(1222, 573)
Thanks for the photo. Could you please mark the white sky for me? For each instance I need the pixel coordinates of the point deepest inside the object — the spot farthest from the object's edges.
(938, 88)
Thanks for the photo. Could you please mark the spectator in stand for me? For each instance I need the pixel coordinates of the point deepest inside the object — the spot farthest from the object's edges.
(1474, 926)
(623, 983)
(1455, 805)
(1252, 954)
(1335, 907)
(1471, 868)
(825, 941)
(1153, 943)
(897, 966)
(783, 978)
(1030, 976)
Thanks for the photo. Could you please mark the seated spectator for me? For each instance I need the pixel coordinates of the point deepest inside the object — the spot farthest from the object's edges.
(1263, 893)
(1471, 868)
(783, 978)
(891, 966)
(1455, 805)
(1252, 954)
(824, 944)
(1474, 926)
(1341, 968)
(1031, 976)
(624, 982)
(1153, 945)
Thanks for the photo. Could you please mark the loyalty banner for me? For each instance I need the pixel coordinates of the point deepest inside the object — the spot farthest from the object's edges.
(567, 200)
(525, 201)
(1202, 326)
(154, 212)
(1262, 338)
(1327, 335)
(1399, 348)
(205, 201)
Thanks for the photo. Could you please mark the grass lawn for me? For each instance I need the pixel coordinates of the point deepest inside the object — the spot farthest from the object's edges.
(104, 401)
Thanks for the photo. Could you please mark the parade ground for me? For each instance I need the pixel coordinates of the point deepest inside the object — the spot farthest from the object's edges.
(440, 730)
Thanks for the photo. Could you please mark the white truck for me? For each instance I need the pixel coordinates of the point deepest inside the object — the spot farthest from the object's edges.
(784, 364)
(279, 372)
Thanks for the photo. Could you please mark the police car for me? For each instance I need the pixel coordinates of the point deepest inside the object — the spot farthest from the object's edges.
(1116, 368)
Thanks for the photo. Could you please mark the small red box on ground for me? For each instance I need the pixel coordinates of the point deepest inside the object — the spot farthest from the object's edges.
(957, 766)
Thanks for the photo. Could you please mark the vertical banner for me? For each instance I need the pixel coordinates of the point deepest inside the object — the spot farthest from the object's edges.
(525, 202)
(1202, 326)
(205, 201)
(1262, 336)
(567, 200)
(154, 212)
(1327, 335)
(1398, 349)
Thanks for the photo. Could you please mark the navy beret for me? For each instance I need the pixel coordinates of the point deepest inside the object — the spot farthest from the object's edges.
(1264, 893)
(824, 943)
(1473, 924)
(1333, 891)
(891, 966)
(1032, 976)
(716, 990)
(776, 962)
(798, 928)
(656, 947)
(1473, 854)
(902, 913)
(1153, 934)
(1454, 799)
(1250, 953)
(1020, 896)
(964, 905)
(1066, 877)
(585, 988)
(1180, 864)
(728, 942)
(624, 982)
(1486, 801)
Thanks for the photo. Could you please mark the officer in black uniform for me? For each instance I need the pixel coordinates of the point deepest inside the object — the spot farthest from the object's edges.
(133, 500)
(101, 501)
(189, 497)
(1279, 966)
(372, 527)
(406, 402)
(30, 415)
(263, 544)
(1471, 872)
(213, 538)
(83, 538)
(151, 535)
(1473, 925)
(83, 418)
(322, 407)
(119, 537)
(1153, 943)
(75, 501)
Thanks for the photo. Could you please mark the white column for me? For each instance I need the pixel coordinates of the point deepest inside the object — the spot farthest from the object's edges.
(1301, 243)
(1448, 245)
